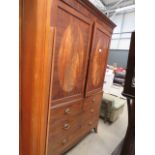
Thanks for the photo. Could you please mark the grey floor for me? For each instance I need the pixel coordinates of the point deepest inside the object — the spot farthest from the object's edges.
(107, 138)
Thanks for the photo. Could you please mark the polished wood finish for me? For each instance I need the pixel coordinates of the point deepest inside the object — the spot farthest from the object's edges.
(35, 66)
(129, 88)
(98, 59)
(129, 141)
(129, 92)
(60, 73)
(127, 145)
(70, 54)
(71, 121)
(91, 109)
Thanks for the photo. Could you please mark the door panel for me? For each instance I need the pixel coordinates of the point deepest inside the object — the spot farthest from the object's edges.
(98, 59)
(70, 54)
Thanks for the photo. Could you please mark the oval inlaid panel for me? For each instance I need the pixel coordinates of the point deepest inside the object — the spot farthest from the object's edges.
(70, 58)
(97, 64)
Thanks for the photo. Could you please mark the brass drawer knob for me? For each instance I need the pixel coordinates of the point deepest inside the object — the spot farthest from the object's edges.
(90, 123)
(92, 110)
(67, 110)
(93, 100)
(100, 50)
(66, 126)
(64, 141)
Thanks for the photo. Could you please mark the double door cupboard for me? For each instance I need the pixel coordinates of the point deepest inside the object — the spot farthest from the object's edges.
(64, 47)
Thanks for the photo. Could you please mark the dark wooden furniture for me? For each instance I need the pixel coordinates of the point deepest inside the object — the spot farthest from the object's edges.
(64, 47)
(129, 92)
(127, 146)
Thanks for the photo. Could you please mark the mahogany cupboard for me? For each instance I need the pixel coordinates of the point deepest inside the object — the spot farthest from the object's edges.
(64, 47)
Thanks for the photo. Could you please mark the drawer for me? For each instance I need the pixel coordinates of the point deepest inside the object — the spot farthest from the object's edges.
(91, 109)
(64, 126)
(63, 142)
(89, 122)
(67, 110)
(64, 119)
(94, 98)
(92, 104)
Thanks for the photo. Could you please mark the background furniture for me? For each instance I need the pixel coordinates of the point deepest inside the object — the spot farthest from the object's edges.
(119, 77)
(64, 50)
(129, 92)
(111, 107)
(108, 80)
(127, 146)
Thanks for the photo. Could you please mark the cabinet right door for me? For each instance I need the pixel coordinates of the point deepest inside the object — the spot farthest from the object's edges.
(98, 59)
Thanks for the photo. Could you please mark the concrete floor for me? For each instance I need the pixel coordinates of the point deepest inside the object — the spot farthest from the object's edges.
(106, 140)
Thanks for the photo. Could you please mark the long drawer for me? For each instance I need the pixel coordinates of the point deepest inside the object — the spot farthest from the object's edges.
(66, 110)
(64, 126)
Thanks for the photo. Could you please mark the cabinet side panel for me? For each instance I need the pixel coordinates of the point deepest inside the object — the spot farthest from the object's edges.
(35, 68)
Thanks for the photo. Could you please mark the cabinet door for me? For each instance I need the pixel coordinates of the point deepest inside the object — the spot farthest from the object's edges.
(98, 59)
(70, 55)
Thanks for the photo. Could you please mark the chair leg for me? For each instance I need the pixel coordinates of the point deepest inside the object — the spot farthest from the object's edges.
(96, 129)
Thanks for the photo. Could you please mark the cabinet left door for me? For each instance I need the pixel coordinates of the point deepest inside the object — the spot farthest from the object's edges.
(70, 57)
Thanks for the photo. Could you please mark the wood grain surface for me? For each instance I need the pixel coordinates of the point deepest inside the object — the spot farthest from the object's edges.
(59, 66)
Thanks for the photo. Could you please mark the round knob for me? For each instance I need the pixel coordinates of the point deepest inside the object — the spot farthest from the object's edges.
(100, 50)
(66, 126)
(67, 110)
(91, 110)
(93, 99)
(64, 141)
(90, 123)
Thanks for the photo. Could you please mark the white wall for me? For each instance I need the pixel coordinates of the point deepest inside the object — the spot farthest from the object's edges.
(125, 23)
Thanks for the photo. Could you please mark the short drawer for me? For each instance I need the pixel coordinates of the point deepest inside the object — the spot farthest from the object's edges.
(59, 145)
(66, 110)
(90, 123)
(64, 126)
(92, 104)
